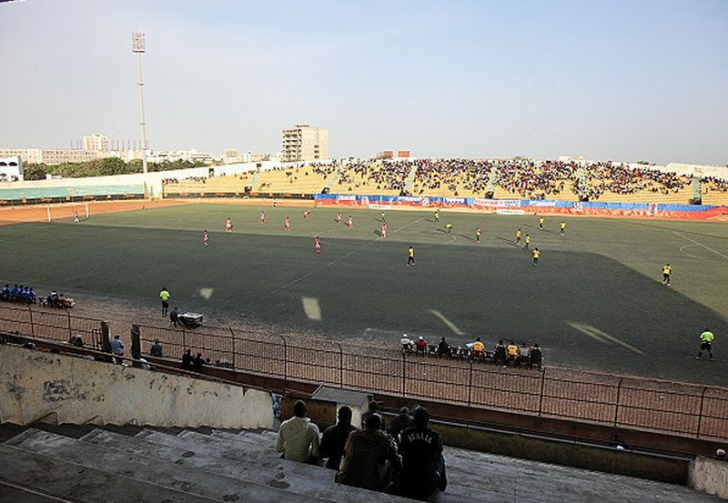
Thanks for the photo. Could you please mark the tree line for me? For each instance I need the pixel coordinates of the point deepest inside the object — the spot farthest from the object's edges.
(102, 167)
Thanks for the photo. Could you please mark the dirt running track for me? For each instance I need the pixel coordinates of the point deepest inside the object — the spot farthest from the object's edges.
(39, 212)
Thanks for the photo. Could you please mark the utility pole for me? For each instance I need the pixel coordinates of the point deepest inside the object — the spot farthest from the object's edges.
(138, 47)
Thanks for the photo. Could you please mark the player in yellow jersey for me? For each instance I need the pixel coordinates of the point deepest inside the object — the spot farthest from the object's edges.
(448, 228)
(562, 226)
(540, 223)
(527, 241)
(478, 233)
(536, 255)
(666, 272)
(410, 256)
(437, 215)
(518, 236)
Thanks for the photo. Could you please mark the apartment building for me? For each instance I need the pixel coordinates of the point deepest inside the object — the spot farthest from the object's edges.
(304, 143)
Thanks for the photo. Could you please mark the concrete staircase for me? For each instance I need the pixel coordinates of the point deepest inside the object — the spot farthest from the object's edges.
(132, 464)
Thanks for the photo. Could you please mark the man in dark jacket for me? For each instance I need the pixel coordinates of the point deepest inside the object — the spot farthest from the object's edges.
(370, 459)
(423, 466)
(400, 423)
(334, 438)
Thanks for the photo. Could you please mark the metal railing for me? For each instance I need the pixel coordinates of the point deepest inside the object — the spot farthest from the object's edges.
(626, 402)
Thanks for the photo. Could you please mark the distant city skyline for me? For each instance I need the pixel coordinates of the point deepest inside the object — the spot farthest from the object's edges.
(623, 80)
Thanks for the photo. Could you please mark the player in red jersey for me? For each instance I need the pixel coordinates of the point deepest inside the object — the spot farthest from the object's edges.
(350, 222)
(205, 237)
(262, 217)
(306, 214)
(384, 230)
(338, 218)
(317, 244)
(228, 225)
(287, 224)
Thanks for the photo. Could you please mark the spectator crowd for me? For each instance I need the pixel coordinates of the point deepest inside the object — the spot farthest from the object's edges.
(405, 458)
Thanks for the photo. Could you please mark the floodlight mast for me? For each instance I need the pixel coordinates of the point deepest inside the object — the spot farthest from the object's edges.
(138, 47)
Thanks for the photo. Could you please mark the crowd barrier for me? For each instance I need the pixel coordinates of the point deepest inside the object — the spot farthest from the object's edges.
(624, 402)
(526, 206)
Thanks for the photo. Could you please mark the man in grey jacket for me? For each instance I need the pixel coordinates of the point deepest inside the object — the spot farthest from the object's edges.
(298, 437)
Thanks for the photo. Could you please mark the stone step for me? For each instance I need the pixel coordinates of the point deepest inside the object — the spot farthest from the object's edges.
(149, 470)
(222, 440)
(231, 455)
(61, 480)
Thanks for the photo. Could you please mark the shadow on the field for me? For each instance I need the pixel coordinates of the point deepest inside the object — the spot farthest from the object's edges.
(509, 241)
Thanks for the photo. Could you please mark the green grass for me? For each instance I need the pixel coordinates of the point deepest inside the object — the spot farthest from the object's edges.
(595, 300)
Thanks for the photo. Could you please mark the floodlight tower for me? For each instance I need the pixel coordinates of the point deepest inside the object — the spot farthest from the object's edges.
(137, 47)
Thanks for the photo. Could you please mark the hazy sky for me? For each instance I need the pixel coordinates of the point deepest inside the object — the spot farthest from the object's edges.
(626, 80)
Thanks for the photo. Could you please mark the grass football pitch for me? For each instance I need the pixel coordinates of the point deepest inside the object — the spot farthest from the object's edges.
(594, 301)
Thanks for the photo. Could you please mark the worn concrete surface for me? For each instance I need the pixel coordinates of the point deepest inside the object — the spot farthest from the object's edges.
(80, 391)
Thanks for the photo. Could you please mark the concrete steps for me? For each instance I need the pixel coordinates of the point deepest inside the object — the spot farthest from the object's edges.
(131, 472)
(251, 455)
(131, 464)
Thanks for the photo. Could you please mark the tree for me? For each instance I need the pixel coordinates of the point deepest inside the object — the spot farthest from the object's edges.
(112, 166)
(35, 171)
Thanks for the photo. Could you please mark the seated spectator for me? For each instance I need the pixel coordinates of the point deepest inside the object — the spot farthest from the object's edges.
(76, 340)
(421, 345)
(443, 348)
(53, 299)
(423, 465)
(523, 357)
(334, 438)
(5, 293)
(197, 363)
(407, 344)
(499, 356)
(479, 349)
(371, 460)
(512, 352)
(535, 357)
(373, 408)
(187, 360)
(117, 348)
(298, 437)
(156, 349)
(400, 423)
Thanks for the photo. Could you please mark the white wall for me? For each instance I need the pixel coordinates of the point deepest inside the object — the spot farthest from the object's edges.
(36, 384)
(710, 476)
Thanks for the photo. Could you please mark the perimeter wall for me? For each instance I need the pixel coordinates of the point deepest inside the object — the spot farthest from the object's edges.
(76, 390)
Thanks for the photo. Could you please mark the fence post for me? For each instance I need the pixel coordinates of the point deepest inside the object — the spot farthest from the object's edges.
(404, 374)
(105, 342)
(470, 384)
(32, 325)
(700, 415)
(232, 332)
(616, 407)
(285, 358)
(540, 396)
(136, 343)
(184, 339)
(341, 365)
(68, 315)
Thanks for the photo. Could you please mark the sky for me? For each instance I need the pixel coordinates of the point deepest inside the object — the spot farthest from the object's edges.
(624, 80)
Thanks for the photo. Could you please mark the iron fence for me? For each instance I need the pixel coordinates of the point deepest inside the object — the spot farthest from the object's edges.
(660, 406)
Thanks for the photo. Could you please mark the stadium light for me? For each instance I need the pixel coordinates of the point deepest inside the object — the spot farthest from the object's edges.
(138, 47)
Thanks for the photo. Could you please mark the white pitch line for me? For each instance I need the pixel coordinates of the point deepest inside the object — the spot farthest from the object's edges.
(701, 244)
(701, 259)
(600, 335)
(447, 322)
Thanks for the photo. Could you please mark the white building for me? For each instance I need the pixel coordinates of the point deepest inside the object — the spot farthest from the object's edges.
(95, 142)
(11, 169)
(304, 143)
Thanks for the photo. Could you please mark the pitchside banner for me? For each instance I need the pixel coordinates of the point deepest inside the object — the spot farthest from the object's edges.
(516, 206)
